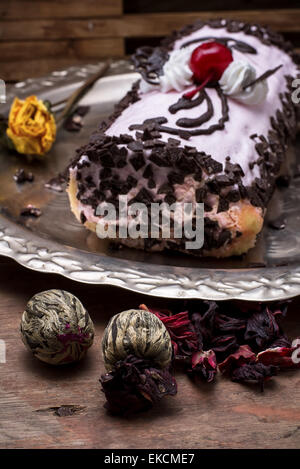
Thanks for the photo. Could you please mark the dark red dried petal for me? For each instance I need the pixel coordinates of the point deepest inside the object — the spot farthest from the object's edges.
(224, 345)
(135, 385)
(261, 328)
(204, 323)
(281, 341)
(226, 323)
(181, 331)
(283, 357)
(279, 308)
(203, 365)
(241, 357)
(255, 372)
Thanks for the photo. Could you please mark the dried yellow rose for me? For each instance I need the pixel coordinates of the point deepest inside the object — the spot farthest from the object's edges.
(31, 126)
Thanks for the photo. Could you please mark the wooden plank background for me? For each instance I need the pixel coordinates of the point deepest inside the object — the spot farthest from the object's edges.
(38, 36)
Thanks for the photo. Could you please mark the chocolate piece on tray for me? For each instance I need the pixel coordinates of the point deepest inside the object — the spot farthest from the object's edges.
(31, 211)
(22, 176)
(216, 135)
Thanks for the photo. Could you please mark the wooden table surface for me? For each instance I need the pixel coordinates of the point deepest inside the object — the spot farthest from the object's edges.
(221, 415)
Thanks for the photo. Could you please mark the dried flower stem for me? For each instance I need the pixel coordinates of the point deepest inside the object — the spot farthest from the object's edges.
(78, 93)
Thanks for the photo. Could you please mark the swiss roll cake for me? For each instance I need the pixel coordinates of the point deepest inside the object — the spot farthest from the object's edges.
(208, 122)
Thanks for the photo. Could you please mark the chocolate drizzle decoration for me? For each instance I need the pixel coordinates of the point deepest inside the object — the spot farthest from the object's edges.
(263, 77)
(184, 103)
(188, 123)
(206, 116)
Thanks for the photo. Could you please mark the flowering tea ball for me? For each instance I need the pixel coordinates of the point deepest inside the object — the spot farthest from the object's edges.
(56, 327)
(139, 333)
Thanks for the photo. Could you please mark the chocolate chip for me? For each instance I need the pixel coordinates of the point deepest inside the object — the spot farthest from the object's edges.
(123, 151)
(223, 180)
(165, 189)
(207, 207)
(137, 161)
(173, 142)
(148, 172)
(223, 205)
(132, 181)
(135, 145)
(151, 183)
(146, 134)
(143, 196)
(98, 196)
(243, 190)
(159, 143)
(149, 144)
(105, 185)
(121, 162)
(155, 134)
(213, 186)
(200, 194)
(198, 175)
(212, 166)
(82, 217)
(126, 138)
(186, 165)
(138, 135)
(170, 199)
(156, 120)
(233, 196)
(158, 160)
(107, 161)
(260, 184)
(175, 178)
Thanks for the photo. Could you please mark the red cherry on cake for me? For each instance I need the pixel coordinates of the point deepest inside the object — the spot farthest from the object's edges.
(208, 63)
(210, 60)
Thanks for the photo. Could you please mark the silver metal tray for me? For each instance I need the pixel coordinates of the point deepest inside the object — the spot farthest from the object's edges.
(57, 243)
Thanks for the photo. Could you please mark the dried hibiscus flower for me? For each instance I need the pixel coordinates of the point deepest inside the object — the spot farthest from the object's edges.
(135, 385)
(203, 321)
(181, 330)
(283, 357)
(203, 365)
(186, 344)
(255, 372)
(281, 341)
(223, 345)
(137, 353)
(241, 357)
(261, 328)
